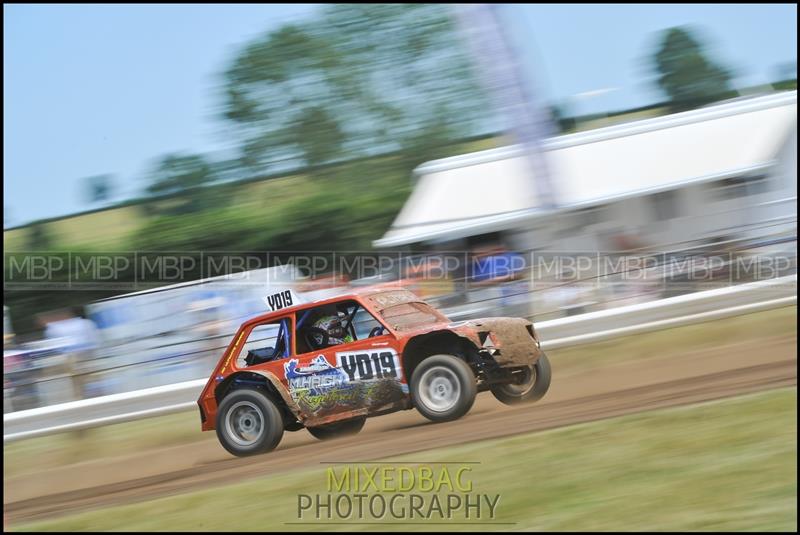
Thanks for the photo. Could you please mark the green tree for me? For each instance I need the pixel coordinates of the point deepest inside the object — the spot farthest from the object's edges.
(39, 238)
(346, 212)
(317, 134)
(99, 188)
(558, 114)
(359, 79)
(187, 175)
(686, 74)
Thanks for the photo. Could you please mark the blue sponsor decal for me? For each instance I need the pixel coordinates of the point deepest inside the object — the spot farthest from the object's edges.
(317, 378)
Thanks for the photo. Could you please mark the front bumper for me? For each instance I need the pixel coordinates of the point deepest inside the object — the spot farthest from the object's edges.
(511, 342)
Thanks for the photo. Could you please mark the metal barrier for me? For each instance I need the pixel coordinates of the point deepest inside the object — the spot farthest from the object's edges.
(585, 328)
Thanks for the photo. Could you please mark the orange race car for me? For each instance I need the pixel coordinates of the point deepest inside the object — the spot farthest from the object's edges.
(330, 364)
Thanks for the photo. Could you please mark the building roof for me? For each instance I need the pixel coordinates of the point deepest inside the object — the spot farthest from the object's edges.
(491, 190)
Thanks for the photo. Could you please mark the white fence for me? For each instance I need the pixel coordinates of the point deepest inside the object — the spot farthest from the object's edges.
(569, 331)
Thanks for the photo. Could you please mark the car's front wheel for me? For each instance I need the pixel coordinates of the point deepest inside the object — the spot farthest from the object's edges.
(443, 388)
(248, 423)
(338, 429)
(530, 385)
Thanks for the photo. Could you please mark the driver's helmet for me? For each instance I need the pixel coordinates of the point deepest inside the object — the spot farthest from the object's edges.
(332, 325)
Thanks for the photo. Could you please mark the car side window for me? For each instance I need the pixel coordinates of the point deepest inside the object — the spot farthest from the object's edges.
(265, 343)
(334, 324)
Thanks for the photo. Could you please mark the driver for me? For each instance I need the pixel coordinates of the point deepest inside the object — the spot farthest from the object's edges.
(330, 323)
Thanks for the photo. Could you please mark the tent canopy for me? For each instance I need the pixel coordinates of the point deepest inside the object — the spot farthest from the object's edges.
(493, 189)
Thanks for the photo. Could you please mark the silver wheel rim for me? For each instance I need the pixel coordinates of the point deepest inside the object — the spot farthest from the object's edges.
(439, 389)
(244, 423)
(521, 389)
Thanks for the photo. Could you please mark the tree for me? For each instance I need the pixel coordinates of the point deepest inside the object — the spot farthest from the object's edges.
(99, 188)
(39, 238)
(317, 134)
(189, 175)
(177, 173)
(687, 76)
(558, 114)
(358, 80)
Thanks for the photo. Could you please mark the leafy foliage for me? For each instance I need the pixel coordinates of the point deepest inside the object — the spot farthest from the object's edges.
(188, 175)
(687, 76)
(359, 80)
(347, 211)
(99, 188)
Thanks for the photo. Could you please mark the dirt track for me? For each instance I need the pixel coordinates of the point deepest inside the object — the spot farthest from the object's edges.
(576, 395)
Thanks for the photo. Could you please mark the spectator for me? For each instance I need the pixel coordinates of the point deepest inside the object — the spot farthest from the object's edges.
(501, 272)
(79, 338)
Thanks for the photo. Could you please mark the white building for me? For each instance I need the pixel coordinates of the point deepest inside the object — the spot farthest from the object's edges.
(721, 171)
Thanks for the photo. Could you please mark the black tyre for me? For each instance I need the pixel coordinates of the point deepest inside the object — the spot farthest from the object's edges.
(533, 384)
(248, 423)
(443, 388)
(338, 429)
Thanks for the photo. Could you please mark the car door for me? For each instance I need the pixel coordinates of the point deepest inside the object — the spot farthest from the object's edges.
(317, 386)
(347, 380)
(373, 363)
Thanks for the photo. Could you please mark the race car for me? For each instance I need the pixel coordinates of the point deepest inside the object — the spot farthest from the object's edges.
(328, 365)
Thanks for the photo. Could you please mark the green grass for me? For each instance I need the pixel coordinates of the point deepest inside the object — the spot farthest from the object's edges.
(680, 340)
(725, 465)
(37, 454)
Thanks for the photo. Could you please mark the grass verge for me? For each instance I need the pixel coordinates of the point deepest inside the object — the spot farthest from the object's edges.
(723, 465)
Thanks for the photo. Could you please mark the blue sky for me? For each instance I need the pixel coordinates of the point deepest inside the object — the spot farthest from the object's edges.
(578, 49)
(106, 89)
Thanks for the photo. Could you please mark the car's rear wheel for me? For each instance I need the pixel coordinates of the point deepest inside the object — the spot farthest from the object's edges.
(248, 423)
(532, 383)
(338, 429)
(443, 388)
